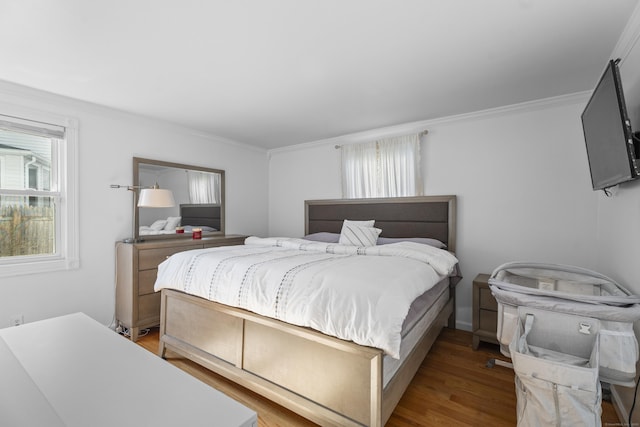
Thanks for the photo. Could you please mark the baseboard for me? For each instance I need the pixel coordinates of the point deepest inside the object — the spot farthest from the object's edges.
(464, 326)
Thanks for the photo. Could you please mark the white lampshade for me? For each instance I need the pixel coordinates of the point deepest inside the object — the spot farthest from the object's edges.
(156, 198)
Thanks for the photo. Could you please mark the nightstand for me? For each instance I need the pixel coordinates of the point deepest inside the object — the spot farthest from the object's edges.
(485, 312)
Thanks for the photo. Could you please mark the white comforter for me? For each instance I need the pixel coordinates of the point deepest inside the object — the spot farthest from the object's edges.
(353, 293)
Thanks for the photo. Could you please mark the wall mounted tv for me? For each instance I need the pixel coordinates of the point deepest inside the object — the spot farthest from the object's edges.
(611, 146)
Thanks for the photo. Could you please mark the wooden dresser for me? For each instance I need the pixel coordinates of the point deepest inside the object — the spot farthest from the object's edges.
(485, 312)
(137, 305)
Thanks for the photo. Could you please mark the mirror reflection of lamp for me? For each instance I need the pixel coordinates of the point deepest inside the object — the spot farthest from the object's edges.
(150, 197)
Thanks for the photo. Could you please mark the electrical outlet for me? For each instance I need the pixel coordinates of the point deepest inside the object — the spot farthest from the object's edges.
(16, 320)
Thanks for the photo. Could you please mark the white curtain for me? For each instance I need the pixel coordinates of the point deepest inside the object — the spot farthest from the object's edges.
(204, 187)
(385, 168)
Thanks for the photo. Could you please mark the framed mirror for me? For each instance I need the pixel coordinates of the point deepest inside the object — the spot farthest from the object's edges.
(199, 197)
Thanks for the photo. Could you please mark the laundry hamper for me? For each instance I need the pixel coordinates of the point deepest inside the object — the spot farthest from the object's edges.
(554, 388)
(573, 291)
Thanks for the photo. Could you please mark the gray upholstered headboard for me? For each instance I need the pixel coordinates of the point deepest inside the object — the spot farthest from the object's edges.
(201, 215)
(425, 216)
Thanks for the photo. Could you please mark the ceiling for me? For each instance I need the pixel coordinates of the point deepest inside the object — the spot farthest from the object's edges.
(273, 73)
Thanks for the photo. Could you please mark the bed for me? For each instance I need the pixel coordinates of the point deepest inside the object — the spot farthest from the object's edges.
(328, 380)
(207, 217)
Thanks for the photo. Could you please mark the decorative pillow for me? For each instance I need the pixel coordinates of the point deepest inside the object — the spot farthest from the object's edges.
(172, 222)
(158, 225)
(359, 233)
(424, 240)
(367, 223)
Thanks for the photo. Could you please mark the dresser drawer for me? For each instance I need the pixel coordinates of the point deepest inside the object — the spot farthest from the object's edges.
(146, 280)
(137, 305)
(228, 241)
(150, 258)
(149, 307)
(487, 300)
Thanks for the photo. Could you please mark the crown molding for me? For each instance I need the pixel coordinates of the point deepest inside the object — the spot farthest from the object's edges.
(629, 36)
(419, 126)
(24, 94)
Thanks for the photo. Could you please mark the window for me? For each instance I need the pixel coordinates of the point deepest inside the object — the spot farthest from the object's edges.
(204, 187)
(38, 220)
(383, 168)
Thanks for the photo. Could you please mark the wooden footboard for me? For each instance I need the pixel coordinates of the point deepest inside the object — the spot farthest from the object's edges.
(325, 379)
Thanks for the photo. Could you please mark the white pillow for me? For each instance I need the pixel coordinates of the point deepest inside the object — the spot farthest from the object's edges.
(172, 222)
(158, 225)
(359, 233)
(368, 223)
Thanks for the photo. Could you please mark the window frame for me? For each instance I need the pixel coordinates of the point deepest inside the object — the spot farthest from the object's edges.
(64, 173)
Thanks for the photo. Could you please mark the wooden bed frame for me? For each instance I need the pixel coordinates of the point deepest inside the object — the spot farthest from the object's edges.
(325, 379)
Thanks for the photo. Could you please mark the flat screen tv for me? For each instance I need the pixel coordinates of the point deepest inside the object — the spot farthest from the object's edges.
(607, 133)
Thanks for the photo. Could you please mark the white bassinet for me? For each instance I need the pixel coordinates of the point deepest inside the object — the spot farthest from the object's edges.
(574, 291)
(555, 388)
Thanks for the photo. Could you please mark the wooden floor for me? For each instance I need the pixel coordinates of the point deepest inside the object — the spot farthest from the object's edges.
(453, 387)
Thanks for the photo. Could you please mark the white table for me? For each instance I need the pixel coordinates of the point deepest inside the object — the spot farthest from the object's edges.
(72, 371)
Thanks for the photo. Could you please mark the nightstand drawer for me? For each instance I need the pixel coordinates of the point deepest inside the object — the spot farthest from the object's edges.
(487, 300)
(150, 258)
(485, 312)
(488, 320)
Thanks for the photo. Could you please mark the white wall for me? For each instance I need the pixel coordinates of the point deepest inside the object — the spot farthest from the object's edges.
(520, 174)
(107, 141)
(618, 223)
(619, 215)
